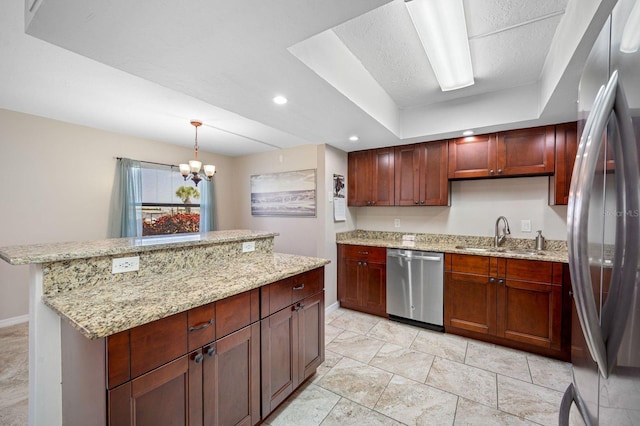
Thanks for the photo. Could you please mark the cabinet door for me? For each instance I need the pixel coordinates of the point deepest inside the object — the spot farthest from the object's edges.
(472, 157)
(434, 184)
(382, 179)
(373, 279)
(279, 358)
(231, 379)
(359, 178)
(530, 312)
(156, 398)
(349, 288)
(470, 302)
(526, 151)
(407, 175)
(311, 335)
(566, 150)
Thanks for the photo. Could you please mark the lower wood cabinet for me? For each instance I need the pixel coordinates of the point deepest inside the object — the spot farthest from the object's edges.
(362, 278)
(292, 349)
(513, 302)
(204, 366)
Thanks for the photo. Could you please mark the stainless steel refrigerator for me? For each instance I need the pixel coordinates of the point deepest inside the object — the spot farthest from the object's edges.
(604, 231)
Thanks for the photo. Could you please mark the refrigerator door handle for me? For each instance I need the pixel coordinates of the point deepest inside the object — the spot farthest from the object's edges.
(570, 396)
(577, 224)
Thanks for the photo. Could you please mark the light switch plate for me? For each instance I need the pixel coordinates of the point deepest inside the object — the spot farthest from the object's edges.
(525, 225)
(396, 223)
(248, 246)
(125, 264)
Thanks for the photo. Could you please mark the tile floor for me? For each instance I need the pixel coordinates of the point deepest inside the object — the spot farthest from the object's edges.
(379, 372)
(14, 375)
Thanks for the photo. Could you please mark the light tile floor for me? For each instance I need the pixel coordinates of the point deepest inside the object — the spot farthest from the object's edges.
(380, 372)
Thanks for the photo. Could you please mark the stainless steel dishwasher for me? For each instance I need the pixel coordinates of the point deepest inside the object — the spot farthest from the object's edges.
(415, 287)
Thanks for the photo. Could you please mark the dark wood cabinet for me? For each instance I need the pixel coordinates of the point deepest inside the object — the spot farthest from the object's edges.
(292, 344)
(370, 179)
(362, 278)
(513, 302)
(566, 150)
(522, 152)
(421, 174)
(197, 367)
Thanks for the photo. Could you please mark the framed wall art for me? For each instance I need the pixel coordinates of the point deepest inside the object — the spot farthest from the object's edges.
(284, 194)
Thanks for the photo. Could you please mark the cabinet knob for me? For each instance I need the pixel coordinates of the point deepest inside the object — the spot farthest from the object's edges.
(415, 202)
(421, 202)
(211, 350)
(373, 202)
(492, 280)
(491, 172)
(364, 263)
(198, 358)
(368, 203)
(499, 171)
(501, 282)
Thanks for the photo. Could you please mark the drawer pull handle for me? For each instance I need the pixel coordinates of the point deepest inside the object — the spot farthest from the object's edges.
(300, 287)
(201, 326)
(299, 307)
(363, 252)
(211, 351)
(198, 358)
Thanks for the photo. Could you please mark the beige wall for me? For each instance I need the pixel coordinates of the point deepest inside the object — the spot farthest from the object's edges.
(45, 200)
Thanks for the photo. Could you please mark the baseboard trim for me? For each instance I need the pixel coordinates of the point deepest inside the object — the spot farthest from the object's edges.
(8, 322)
(331, 307)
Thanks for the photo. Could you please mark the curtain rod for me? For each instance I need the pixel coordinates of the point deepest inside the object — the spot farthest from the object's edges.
(151, 162)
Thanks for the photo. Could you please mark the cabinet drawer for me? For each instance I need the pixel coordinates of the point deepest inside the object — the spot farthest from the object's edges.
(469, 264)
(307, 284)
(371, 254)
(236, 312)
(201, 325)
(157, 343)
(530, 270)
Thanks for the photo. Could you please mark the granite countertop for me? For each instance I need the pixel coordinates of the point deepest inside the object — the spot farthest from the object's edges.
(557, 251)
(100, 311)
(45, 253)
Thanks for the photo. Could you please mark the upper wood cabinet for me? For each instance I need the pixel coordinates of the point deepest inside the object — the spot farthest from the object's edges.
(566, 150)
(371, 178)
(421, 174)
(523, 152)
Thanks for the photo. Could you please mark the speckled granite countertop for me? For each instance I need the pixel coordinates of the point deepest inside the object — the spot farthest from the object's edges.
(101, 310)
(556, 251)
(45, 253)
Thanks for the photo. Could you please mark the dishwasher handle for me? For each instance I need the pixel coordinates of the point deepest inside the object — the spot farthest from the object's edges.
(416, 257)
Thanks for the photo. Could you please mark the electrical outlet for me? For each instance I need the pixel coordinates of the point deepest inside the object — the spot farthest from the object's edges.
(396, 223)
(125, 264)
(408, 237)
(248, 246)
(525, 225)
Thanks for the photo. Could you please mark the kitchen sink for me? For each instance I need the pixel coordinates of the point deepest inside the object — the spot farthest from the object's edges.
(499, 250)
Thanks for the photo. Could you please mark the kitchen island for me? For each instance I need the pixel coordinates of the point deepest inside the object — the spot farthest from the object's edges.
(77, 303)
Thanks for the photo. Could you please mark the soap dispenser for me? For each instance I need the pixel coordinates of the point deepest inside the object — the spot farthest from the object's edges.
(540, 241)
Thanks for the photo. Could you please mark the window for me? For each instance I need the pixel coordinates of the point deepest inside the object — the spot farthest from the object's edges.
(169, 204)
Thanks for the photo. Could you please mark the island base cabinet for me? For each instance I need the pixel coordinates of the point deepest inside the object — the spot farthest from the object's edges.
(292, 349)
(160, 397)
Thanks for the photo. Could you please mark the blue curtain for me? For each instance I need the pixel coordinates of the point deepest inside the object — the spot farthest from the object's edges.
(126, 217)
(207, 206)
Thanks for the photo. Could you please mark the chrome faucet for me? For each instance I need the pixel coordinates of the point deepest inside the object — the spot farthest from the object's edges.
(499, 238)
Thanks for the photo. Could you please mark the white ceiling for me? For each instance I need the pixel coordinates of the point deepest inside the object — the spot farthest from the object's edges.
(353, 67)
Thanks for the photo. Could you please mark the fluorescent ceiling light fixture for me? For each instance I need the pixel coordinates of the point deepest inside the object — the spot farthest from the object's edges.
(442, 29)
(630, 42)
(280, 100)
(354, 138)
(467, 133)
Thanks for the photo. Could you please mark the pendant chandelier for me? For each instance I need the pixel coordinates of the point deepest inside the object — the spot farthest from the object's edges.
(192, 170)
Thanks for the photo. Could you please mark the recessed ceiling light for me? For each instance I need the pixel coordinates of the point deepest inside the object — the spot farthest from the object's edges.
(280, 100)
(467, 133)
(354, 138)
